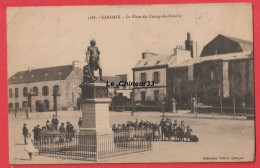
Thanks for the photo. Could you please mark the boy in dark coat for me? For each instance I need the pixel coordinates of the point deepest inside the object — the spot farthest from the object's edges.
(80, 122)
(25, 133)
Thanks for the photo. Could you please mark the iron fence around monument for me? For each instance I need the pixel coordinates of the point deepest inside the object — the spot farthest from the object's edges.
(93, 147)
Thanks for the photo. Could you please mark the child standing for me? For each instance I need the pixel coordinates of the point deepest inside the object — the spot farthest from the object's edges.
(29, 146)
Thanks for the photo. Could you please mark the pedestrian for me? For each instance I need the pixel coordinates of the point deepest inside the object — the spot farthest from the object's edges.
(136, 124)
(162, 125)
(55, 122)
(70, 131)
(48, 125)
(156, 132)
(79, 102)
(174, 129)
(62, 131)
(188, 134)
(25, 133)
(182, 133)
(36, 132)
(80, 123)
(44, 139)
(29, 148)
(168, 129)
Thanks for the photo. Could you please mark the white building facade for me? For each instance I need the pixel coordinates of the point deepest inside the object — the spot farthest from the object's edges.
(152, 68)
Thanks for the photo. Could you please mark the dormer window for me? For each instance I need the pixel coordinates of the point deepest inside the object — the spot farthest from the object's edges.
(32, 76)
(46, 74)
(20, 77)
(158, 62)
(145, 63)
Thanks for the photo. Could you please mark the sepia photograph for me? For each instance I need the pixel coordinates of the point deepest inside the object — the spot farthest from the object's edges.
(131, 84)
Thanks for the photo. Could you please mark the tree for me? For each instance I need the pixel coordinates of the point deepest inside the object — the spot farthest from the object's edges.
(196, 85)
(218, 78)
(235, 83)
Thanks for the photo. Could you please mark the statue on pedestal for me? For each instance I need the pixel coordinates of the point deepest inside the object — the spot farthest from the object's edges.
(92, 87)
(92, 58)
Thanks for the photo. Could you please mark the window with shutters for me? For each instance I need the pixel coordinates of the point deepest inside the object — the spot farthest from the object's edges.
(56, 89)
(17, 105)
(45, 90)
(10, 93)
(35, 90)
(25, 91)
(156, 77)
(16, 92)
(11, 105)
(143, 77)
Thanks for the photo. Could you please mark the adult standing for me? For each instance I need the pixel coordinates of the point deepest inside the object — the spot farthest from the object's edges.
(79, 103)
(25, 133)
(55, 122)
(162, 125)
(62, 131)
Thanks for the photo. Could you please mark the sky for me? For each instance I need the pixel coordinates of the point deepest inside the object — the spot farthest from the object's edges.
(40, 37)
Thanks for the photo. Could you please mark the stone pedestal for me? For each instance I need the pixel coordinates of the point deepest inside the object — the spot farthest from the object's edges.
(95, 108)
(95, 117)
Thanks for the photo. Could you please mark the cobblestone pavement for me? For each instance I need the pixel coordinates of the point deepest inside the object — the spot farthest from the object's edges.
(220, 136)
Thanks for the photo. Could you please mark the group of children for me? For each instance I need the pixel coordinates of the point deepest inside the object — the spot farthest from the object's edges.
(164, 130)
(67, 132)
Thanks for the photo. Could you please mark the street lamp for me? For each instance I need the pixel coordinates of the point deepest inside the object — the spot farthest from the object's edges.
(29, 97)
(133, 102)
(55, 95)
(163, 104)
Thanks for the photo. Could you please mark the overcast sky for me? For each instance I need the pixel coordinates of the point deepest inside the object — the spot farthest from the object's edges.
(53, 36)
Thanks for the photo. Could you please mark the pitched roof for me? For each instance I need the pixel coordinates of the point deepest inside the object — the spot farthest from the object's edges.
(223, 57)
(153, 61)
(42, 74)
(245, 45)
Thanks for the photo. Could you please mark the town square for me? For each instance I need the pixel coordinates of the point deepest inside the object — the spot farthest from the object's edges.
(118, 90)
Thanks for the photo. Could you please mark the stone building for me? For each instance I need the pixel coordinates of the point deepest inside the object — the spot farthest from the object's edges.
(65, 79)
(215, 78)
(152, 67)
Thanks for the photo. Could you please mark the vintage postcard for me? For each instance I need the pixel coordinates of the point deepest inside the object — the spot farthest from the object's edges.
(131, 84)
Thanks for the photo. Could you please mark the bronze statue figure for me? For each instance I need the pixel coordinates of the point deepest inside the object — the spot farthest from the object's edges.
(92, 58)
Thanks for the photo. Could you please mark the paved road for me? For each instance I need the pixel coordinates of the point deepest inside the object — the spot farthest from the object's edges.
(219, 137)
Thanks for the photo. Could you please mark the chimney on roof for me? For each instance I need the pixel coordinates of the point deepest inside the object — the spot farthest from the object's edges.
(189, 44)
(30, 69)
(144, 54)
(75, 63)
(148, 54)
(175, 51)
